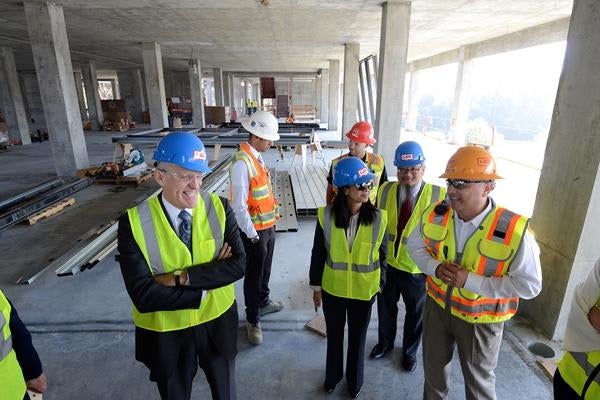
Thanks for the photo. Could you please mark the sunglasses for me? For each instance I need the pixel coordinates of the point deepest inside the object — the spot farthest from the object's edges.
(461, 184)
(364, 186)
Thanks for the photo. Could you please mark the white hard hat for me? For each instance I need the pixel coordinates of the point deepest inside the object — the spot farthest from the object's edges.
(262, 124)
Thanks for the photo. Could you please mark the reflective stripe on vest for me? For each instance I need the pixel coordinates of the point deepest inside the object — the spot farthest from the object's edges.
(12, 383)
(353, 273)
(165, 252)
(375, 163)
(262, 205)
(488, 251)
(388, 199)
(575, 368)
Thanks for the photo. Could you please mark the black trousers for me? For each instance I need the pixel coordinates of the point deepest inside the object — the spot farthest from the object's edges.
(197, 350)
(562, 390)
(412, 289)
(259, 258)
(358, 312)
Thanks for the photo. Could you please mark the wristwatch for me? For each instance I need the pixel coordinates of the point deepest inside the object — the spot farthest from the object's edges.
(255, 239)
(177, 274)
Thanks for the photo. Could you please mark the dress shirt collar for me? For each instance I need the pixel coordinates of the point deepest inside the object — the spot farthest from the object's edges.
(255, 153)
(173, 212)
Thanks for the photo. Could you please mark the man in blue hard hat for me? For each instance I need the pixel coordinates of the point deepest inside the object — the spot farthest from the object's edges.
(404, 202)
(180, 253)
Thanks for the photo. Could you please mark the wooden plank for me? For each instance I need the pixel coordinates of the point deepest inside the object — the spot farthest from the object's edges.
(317, 325)
(318, 186)
(297, 190)
(49, 211)
(549, 367)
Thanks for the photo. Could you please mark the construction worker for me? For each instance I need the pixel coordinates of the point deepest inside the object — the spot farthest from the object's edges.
(360, 136)
(404, 202)
(480, 260)
(256, 212)
(254, 105)
(180, 253)
(347, 269)
(249, 106)
(20, 366)
(577, 375)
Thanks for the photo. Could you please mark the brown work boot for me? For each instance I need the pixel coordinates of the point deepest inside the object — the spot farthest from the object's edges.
(255, 335)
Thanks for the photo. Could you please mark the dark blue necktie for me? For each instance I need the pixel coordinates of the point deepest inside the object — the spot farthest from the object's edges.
(185, 228)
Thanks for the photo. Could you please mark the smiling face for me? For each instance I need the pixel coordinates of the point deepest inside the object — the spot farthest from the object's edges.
(470, 200)
(411, 176)
(180, 186)
(355, 195)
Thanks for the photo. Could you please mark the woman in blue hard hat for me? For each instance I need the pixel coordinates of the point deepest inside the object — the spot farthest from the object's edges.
(347, 269)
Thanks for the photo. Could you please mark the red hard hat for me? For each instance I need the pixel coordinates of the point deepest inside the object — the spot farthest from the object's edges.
(361, 132)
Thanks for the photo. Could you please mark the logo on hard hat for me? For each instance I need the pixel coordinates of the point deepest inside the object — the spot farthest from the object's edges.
(364, 171)
(199, 155)
(354, 132)
(406, 157)
(483, 162)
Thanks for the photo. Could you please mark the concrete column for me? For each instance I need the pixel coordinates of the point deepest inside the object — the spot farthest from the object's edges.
(12, 99)
(50, 47)
(395, 21)
(132, 93)
(155, 85)
(218, 79)
(413, 100)
(139, 89)
(462, 98)
(78, 76)
(208, 85)
(334, 94)
(227, 90)
(324, 110)
(350, 99)
(566, 213)
(195, 72)
(90, 80)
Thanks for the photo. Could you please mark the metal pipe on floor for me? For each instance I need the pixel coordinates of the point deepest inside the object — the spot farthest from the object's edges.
(31, 193)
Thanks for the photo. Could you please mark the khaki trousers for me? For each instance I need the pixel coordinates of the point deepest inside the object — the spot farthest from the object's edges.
(478, 348)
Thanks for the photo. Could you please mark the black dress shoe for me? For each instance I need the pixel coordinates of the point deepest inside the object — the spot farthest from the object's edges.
(379, 351)
(409, 363)
(354, 393)
(328, 388)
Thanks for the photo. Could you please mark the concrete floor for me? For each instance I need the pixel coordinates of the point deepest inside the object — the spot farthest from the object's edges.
(82, 325)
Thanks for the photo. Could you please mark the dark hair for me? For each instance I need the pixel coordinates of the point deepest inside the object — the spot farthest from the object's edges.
(341, 212)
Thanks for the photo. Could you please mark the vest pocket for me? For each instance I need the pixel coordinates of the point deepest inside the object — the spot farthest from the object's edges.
(494, 250)
(434, 232)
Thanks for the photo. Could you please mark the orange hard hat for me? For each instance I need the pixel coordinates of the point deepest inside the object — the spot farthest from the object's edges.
(471, 163)
(361, 132)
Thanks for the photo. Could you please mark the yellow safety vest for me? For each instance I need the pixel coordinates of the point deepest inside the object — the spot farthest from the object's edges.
(576, 368)
(488, 252)
(375, 163)
(12, 383)
(387, 199)
(165, 252)
(352, 273)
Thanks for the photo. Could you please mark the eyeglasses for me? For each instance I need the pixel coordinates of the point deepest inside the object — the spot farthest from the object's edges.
(184, 178)
(364, 186)
(411, 169)
(460, 184)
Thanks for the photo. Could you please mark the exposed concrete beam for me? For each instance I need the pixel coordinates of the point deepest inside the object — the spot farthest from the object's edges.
(550, 32)
(252, 74)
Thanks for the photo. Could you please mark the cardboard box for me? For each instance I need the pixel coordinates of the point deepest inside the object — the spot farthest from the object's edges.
(113, 105)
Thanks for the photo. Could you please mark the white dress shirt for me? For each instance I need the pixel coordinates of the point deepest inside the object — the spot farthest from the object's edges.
(524, 277)
(240, 189)
(580, 335)
(173, 213)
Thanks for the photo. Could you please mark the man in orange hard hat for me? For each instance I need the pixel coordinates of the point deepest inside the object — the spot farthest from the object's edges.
(360, 137)
(480, 259)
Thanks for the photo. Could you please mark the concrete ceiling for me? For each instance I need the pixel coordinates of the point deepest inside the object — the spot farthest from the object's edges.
(286, 35)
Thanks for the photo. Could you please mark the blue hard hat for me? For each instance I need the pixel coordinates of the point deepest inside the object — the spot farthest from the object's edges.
(350, 171)
(409, 154)
(183, 149)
